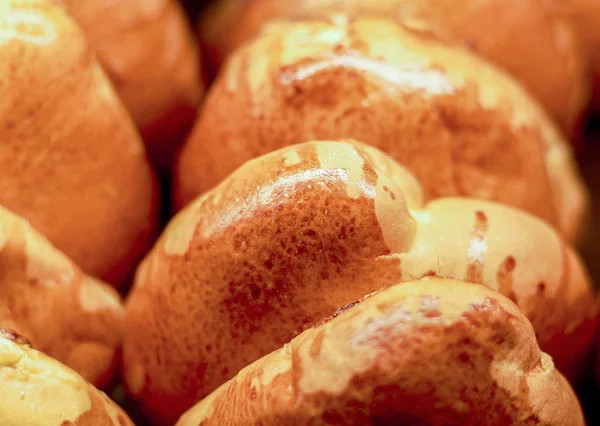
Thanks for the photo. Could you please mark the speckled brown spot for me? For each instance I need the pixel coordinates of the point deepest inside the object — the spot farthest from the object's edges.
(504, 276)
(477, 249)
(15, 337)
(429, 307)
(315, 348)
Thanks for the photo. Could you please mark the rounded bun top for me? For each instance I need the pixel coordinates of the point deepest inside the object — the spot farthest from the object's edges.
(149, 53)
(435, 351)
(460, 125)
(546, 57)
(71, 316)
(291, 236)
(68, 143)
(29, 378)
(147, 49)
(585, 15)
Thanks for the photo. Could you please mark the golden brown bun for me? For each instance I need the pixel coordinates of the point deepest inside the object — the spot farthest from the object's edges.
(39, 391)
(148, 51)
(291, 236)
(535, 45)
(585, 16)
(429, 352)
(68, 315)
(71, 161)
(459, 125)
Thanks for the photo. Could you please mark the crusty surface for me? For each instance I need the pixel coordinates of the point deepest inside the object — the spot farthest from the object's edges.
(546, 57)
(462, 127)
(585, 15)
(71, 161)
(36, 390)
(291, 236)
(68, 315)
(431, 352)
(148, 51)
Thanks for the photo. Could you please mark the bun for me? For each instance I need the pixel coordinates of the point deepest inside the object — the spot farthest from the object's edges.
(546, 57)
(39, 391)
(71, 161)
(68, 315)
(435, 352)
(584, 15)
(148, 51)
(462, 127)
(291, 236)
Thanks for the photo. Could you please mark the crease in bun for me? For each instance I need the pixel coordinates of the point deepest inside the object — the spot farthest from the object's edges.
(69, 145)
(459, 124)
(291, 236)
(434, 351)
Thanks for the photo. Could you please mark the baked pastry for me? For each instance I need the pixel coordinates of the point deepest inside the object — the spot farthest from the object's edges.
(546, 56)
(585, 15)
(149, 53)
(71, 160)
(39, 391)
(431, 352)
(68, 315)
(458, 124)
(291, 236)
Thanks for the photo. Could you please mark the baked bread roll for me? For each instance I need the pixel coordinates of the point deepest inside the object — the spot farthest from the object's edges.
(431, 352)
(585, 15)
(71, 160)
(68, 315)
(291, 236)
(546, 56)
(462, 127)
(39, 391)
(148, 50)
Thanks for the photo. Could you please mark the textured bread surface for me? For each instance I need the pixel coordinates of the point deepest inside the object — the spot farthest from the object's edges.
(460, 125)
(430, 352)
(36, 390)
(71, 316)
(71, 160)
(149, 53)
(293, 235)
(547, 57)
(585, 15)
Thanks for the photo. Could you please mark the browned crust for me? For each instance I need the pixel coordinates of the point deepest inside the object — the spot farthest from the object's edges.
(71, 160)
(546, 57)
(433, 352)
(149, 53)
(39, 391)
(68, 315)
(291, 236)
(460, 126)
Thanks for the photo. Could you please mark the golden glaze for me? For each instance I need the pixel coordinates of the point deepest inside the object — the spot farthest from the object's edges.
(546, 56)
(147, 50)
(458, 124)
(36, 390)
(293, 235)
(585, 15)
(68, 315)
(71, 161)
(435, 352)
